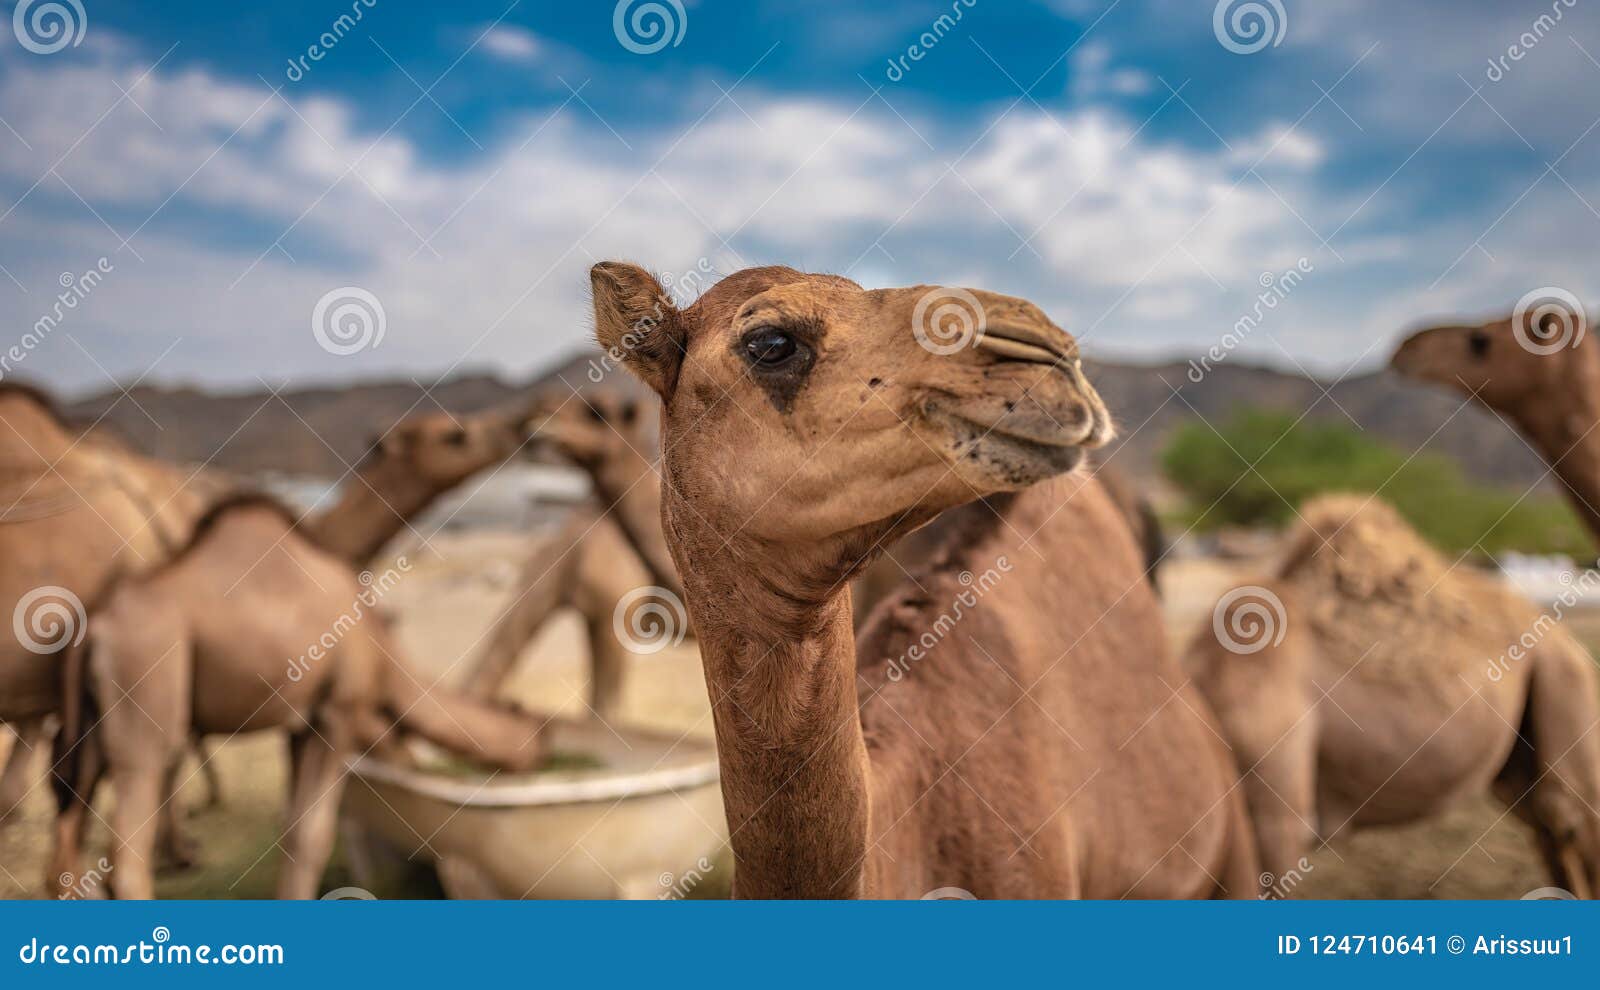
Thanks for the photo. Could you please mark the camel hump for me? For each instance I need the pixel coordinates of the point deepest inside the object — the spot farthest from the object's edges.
(1364, 545)
(231, 505)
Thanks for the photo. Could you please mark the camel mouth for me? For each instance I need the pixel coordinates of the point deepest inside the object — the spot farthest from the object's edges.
(1017, 454)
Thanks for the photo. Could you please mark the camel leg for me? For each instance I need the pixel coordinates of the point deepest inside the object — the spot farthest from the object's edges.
(20, 774)
(74, 800)
(609, 569)
(1553, 775)
(1262, 703)
(207, 757)
(140, 786)
(544, 584)
(175, 850)
(319, 779)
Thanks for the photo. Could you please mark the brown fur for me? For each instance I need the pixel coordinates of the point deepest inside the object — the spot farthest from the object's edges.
(75, 512)
(1553, 398)
(208, 645)
(407, 470)
(1064, 758)
(1417, 713)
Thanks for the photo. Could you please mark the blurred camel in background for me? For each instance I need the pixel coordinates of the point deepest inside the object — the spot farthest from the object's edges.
(207, 644)
(1401, 645)
(76, 511)
(1539, 369)
(961, 766)
(406, 470)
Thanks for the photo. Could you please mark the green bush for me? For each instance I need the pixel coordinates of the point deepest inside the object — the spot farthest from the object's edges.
(1295, 460)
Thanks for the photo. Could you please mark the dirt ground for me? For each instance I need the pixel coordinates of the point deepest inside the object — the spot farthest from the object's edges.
(450, 597)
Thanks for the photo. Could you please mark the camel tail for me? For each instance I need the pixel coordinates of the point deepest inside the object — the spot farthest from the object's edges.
(71, 776)
(490, 733)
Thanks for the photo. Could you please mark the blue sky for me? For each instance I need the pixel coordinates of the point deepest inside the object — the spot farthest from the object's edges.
(1122, 164)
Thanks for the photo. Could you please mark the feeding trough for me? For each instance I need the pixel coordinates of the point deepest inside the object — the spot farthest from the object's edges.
(619, 813)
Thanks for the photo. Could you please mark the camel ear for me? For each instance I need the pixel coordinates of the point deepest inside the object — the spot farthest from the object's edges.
(636, 323)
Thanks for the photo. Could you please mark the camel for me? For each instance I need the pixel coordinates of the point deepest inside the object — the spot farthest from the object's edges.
(601, 557)
(207, 644)
(1545, 378)
(1364, 615)
(76, 511)
(406, 470)
(1045, 747)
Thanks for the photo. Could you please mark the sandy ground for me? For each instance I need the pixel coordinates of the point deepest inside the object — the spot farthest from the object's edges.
(454, 591)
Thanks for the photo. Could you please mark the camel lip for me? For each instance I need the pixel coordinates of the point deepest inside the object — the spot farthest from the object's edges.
(994, 429)
(1013, 343)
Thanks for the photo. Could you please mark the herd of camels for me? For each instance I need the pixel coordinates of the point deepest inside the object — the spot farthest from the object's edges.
(825, 488)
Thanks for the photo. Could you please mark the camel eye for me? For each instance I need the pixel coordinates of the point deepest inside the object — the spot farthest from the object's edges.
(456, 438)
(1479, 344)
(770, 348)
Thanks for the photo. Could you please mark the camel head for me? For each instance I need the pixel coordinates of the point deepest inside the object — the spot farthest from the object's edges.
(443, 450)
(587, 428)
(1503, 364)
(807, 411)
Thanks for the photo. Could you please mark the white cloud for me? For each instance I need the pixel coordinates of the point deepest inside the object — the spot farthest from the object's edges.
(510, 42)
(1149, 243)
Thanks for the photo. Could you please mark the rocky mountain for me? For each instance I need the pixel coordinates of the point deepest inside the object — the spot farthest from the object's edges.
(318, 431)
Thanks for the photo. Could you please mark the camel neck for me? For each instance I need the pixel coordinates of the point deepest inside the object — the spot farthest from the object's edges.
(796, 779)
(626, 484)
(1567, 433)
(372, 507)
